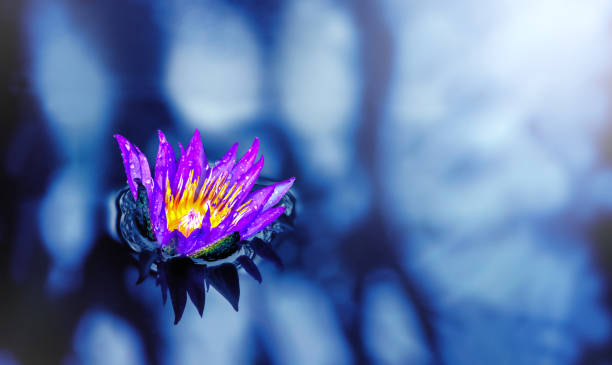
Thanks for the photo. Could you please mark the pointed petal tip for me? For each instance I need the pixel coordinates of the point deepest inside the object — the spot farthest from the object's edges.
(122, 141)
(286, 184)
(254, 149)
(196, 136)
(255, 145)
(230, 155)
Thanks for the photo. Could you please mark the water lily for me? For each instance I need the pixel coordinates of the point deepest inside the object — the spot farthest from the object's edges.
(192, 225)
(196, 209)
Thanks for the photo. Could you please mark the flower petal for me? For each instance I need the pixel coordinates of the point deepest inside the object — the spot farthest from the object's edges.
(145, 173)
(247, 181)
(198, 237)
(245, 162)
(131, 162)
(165, 167)
(225, 165)
(219, 231)
(280, 189)
(193, 159)
(165, 237)
(165, 164)
(222, 167)
(257, 198)
(185, 243)
(261, 221)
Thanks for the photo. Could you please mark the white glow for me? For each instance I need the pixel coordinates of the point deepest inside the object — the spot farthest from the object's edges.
(71, 82)
(319, 82)
(493, 110)
(102, 338)
(213, 66)
(66, 218)
(489, 136)
(303, 327)
(391, 333)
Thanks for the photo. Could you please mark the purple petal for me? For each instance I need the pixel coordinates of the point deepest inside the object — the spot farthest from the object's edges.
(245, 162)
(183, 242)
(219, 231)
(165, 168)
(131, 162)
(280, 189)
(199, 241)
(247, 181)
(193, 159)
(180, 162)
(257, 198)
(156, 206)
(166, 237)
(181, 151)
(165, 164)
(145, 173)
(205, 228)
(261, 222)
(226, 164)
(197, 238)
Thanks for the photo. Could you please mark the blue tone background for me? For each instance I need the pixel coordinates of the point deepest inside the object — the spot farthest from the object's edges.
(453, 166)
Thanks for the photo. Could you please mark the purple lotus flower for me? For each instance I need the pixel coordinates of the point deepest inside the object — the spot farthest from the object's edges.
(194, 209)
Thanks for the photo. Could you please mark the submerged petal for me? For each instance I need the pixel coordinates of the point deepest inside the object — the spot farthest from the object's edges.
(261, 222)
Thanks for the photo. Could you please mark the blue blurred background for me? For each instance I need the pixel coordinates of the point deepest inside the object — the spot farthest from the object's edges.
(453, 161)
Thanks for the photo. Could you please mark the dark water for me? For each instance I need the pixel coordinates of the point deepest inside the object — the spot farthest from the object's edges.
(452, 166)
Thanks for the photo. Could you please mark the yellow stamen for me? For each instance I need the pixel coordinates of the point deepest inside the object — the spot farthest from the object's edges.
(186, 210)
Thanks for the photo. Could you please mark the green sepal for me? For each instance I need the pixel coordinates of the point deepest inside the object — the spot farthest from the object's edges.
(221, 249)
(144, 220)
